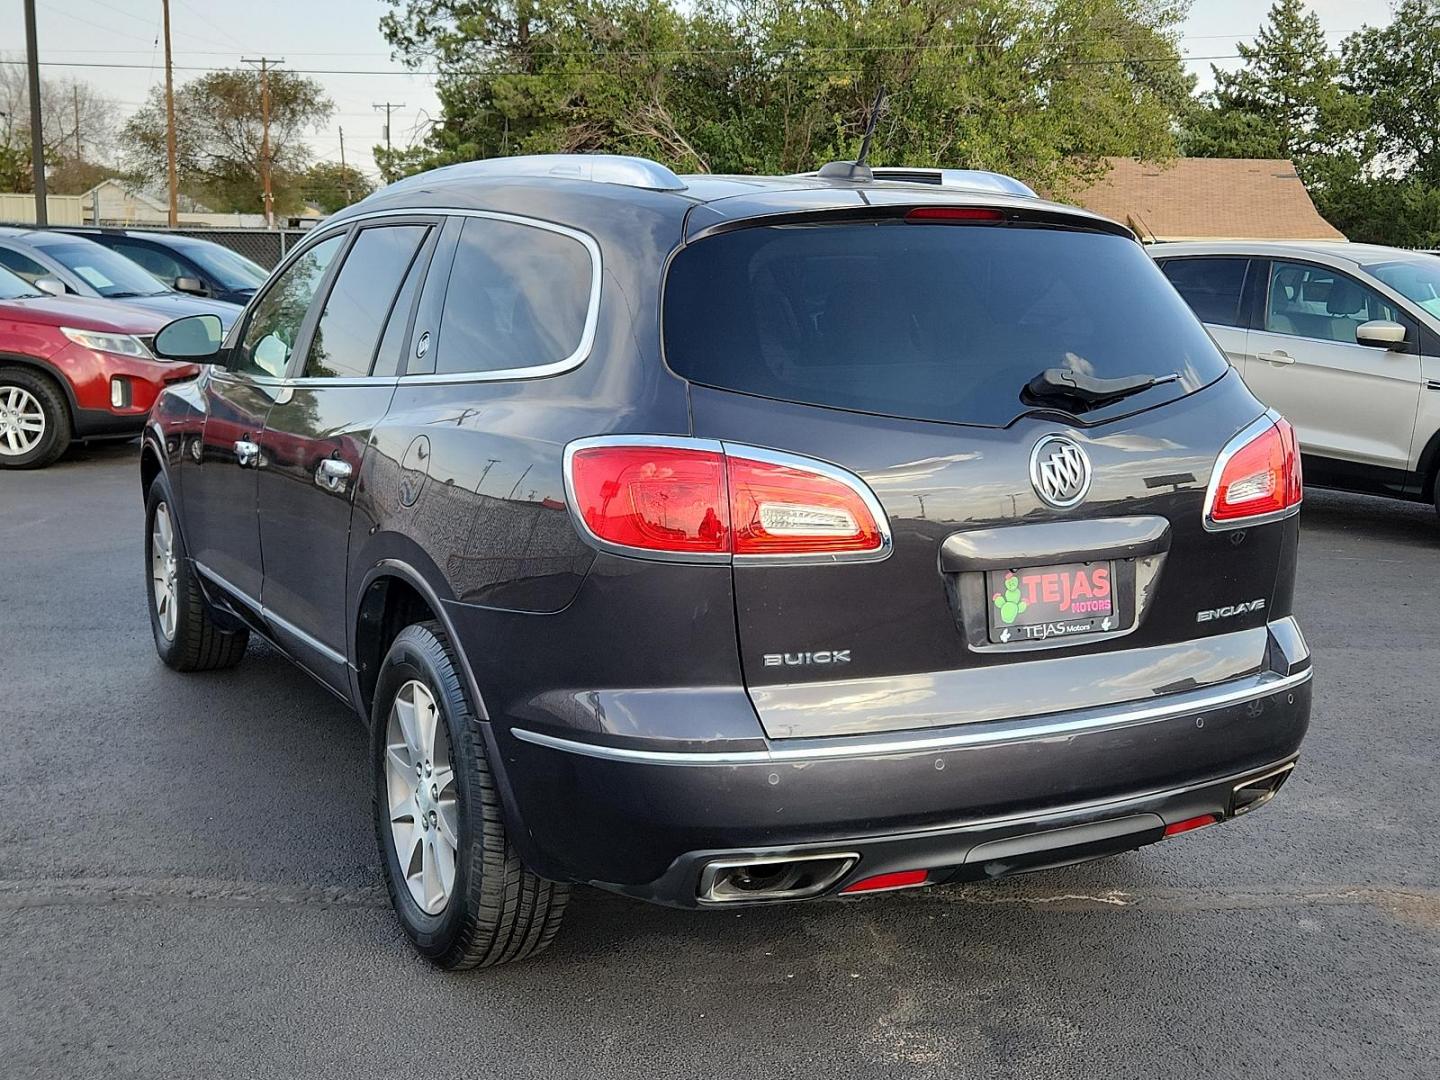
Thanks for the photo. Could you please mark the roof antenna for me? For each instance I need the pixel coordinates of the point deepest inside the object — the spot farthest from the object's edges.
(858, 171)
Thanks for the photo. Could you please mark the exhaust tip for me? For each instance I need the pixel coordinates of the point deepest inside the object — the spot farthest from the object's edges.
(1258, 790)
(772, 877)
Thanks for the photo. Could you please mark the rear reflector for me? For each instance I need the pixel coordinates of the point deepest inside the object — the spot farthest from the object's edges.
(974, 214)
(1257, 477)
(1175, 828)
(900, 879)
(694, 499)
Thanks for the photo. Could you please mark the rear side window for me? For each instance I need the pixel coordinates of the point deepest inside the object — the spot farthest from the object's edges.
(1212, 287)
(518, 297)
(348, 333)
(928, 322)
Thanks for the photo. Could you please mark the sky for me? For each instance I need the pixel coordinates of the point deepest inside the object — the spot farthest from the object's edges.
(338, 43)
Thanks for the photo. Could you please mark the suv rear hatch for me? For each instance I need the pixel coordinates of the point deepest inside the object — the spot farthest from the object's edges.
(910, 347)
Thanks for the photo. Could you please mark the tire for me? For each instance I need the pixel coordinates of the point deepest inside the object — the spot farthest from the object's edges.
(186, 638)
(27, 399)
(495, 910)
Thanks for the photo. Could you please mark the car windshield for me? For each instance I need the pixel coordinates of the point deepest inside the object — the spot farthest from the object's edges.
(13, 286)
(930, 322)
(109, 274)
(225, 266)
(1415, 279)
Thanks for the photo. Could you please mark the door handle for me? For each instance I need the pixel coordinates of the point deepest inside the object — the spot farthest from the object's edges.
(332, 474)
(247, 452)
(1279, 356)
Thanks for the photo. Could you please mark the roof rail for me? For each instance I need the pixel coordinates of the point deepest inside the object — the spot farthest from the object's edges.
(972, 179)
(599, 168)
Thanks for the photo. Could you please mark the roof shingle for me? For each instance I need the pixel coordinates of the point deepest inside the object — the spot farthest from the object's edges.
(1208, 199)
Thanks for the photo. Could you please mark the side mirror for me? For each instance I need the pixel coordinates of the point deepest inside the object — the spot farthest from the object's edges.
(1381, 334)
(192, 285)
(52, 285)
(195, 338)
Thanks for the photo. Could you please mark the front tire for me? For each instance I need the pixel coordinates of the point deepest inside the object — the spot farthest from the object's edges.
(460, 891)
(186, 638)
(34, 420)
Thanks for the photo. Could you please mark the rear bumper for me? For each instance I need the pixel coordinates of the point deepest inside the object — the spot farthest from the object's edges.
(644, 822)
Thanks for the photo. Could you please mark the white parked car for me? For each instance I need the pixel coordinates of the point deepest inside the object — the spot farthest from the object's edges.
(1343, 339)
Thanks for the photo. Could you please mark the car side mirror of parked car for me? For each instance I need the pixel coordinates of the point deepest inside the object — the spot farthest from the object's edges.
(194, 338)
(1381, 334)
(192, 285)
(52, 285)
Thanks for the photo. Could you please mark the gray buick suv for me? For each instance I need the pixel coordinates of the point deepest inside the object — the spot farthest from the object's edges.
(736, 540)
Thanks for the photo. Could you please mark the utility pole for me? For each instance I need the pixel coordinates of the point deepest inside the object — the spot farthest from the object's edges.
(170, 174)
(344, 172)
(75, 91)
(37, 133)
(389, 107)
(265, 63)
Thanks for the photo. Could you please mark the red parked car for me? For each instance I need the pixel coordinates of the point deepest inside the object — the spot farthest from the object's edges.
(73, 367)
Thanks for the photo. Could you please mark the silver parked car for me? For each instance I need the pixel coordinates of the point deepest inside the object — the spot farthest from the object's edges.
(1343, 339)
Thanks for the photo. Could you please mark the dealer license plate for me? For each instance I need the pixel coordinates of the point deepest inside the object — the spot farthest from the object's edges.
(1036, 603)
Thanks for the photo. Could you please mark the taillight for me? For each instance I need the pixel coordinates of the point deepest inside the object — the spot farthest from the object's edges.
(1257, 477)
(699, 500)
(653, 498)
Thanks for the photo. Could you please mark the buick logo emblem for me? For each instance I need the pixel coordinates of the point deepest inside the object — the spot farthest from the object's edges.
(1060, 471)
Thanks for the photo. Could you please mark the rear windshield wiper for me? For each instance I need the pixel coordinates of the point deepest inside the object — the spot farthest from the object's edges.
(1069, 385)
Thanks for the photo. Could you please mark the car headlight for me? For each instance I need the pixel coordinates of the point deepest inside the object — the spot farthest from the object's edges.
(120, 344)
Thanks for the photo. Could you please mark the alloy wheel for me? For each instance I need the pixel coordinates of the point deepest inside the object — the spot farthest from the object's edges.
(22, 421)
(422, 798)
(162, 569)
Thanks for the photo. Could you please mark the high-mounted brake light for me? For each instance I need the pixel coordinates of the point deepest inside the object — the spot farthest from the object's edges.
(1257, 477)
(699, 500)
(975, 214)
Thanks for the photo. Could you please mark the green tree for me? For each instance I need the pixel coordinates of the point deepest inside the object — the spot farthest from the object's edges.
(1285, 101)
(1040, 88)
(1397, 69)
(218, 138)
(332, 186)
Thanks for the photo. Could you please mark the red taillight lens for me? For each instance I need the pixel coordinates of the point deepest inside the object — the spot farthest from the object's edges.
(785, 510)
(976, 214)
(1261, 476)
(701, 501)
(653, 498)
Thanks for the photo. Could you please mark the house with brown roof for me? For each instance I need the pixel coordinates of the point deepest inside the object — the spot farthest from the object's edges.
(1208, 199)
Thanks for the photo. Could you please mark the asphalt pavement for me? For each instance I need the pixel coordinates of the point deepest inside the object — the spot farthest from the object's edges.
(189, 886)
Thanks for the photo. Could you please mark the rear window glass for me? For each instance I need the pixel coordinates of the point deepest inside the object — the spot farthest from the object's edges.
(928, 322)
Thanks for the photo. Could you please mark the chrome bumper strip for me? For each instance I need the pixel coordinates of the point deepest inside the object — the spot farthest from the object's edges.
(1230, 693)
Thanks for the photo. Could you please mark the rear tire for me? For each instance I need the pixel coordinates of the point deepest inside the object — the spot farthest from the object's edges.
(430, 765)
(186, 638)
(34, 419)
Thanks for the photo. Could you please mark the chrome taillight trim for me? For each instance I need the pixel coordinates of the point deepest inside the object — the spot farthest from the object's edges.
(1248, 434)
(739, 450)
